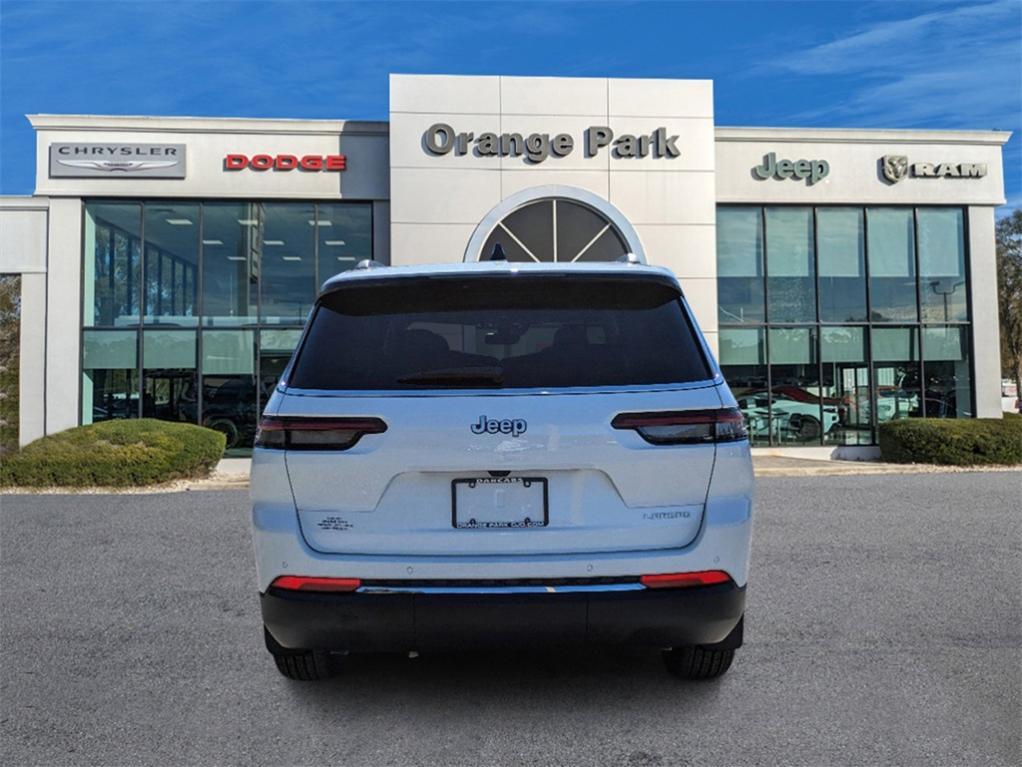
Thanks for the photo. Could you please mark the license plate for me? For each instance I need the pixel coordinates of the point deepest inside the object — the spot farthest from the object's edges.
(499, 502)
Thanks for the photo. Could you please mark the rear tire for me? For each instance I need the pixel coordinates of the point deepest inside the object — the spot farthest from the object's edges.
(226, 427)
(698, 662)
(301, 665)
(806, 427)
(307, 666)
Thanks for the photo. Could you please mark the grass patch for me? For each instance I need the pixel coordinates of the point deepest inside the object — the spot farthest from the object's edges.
(953, 442)
(120, 453)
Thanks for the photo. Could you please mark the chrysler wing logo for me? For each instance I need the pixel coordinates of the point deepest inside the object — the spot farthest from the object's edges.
(113, 166)
(895, 167)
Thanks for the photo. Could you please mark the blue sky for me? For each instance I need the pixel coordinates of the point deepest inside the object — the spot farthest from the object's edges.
(829, 64)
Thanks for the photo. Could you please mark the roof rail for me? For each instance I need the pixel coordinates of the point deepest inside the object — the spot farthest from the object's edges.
(630, 258)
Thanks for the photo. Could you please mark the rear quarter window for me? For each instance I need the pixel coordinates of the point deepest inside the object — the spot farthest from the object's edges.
(499, 332)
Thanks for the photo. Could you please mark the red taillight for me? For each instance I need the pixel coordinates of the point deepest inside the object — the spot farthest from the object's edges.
(310, 583)
(684, 580)
(685, 427)
(293, 433)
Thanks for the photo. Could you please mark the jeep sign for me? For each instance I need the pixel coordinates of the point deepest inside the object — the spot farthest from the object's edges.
(810, 170)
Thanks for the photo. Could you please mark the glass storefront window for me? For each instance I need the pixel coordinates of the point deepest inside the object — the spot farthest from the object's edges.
(743, 363)
(182, 264)
(796, 415)
(740, 264)
(171, 263)
(345, 237)
(942, 264)
(892, 269)
(275, 348)
(112, 264)
(109, 375)
(142, 262)
(845, 385)
(948, 372)
(896, 373)
(230, 263)
(840, 238)
(791, 281)
(288, 271)
(229, 402)
(169, 384)
(878, 359)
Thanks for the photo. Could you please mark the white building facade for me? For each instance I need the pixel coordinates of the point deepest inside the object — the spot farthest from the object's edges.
(844, 277)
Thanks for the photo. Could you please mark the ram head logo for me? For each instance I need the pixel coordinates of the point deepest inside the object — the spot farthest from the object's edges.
(895, 167)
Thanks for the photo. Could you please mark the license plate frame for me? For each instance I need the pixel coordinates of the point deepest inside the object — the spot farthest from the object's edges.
(525, 484)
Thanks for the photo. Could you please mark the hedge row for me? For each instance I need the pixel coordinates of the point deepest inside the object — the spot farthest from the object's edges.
(120, 453)
(952, 441)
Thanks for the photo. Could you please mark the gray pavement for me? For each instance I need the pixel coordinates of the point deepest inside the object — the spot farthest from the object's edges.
(883, 628)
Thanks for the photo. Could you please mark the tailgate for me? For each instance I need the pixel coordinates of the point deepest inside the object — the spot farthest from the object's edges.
(601, 489)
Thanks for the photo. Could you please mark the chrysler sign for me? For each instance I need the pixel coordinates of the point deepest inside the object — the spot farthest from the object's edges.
(117, 160)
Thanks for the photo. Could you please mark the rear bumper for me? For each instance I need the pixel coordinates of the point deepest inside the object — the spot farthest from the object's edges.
(419, 620)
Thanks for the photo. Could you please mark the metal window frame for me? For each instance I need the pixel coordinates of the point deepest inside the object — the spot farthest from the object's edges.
(819, 333)
(867, 274)
(967, 255)
(766, 329)
(768, 324)
(919, 314)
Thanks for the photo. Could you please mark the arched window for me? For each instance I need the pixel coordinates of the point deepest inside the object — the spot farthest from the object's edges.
(554, 223)
(555, 230)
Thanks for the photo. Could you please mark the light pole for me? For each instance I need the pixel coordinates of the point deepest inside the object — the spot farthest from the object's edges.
(935, 284)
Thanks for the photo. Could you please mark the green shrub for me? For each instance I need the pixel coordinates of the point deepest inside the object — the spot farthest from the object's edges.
(119, 453)
(951, 441)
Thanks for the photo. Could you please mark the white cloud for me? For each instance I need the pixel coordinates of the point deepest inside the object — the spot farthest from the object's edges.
(909, 40)
(954, 67)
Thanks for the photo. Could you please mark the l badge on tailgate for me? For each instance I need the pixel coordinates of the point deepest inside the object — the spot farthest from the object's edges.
(512, 426)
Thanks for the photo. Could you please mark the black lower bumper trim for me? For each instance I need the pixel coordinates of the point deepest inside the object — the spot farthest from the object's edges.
(385, 622)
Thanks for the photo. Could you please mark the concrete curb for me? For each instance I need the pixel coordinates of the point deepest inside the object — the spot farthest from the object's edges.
(216, 481)
(835, 469)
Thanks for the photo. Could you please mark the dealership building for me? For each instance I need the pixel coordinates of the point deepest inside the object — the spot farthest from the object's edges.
(843, 277)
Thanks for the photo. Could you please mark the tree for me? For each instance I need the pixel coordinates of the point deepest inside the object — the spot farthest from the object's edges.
(1009, 294)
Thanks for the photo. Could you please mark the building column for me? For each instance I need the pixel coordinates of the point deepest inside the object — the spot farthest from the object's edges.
(32, 359)
(64, 315)
(986, 336)
(381, 231)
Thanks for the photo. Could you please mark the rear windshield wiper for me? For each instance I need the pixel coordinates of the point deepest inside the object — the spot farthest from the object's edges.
(466, 376)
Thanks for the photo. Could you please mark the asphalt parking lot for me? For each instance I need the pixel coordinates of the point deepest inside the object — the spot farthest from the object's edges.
(883, 628)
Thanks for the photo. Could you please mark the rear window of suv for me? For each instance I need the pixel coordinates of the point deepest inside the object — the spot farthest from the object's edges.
(496, 332)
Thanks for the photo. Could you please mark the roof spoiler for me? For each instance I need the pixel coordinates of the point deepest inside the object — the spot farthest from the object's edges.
(368, 263)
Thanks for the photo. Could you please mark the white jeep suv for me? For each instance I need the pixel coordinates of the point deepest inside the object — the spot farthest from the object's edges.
(495, 454)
